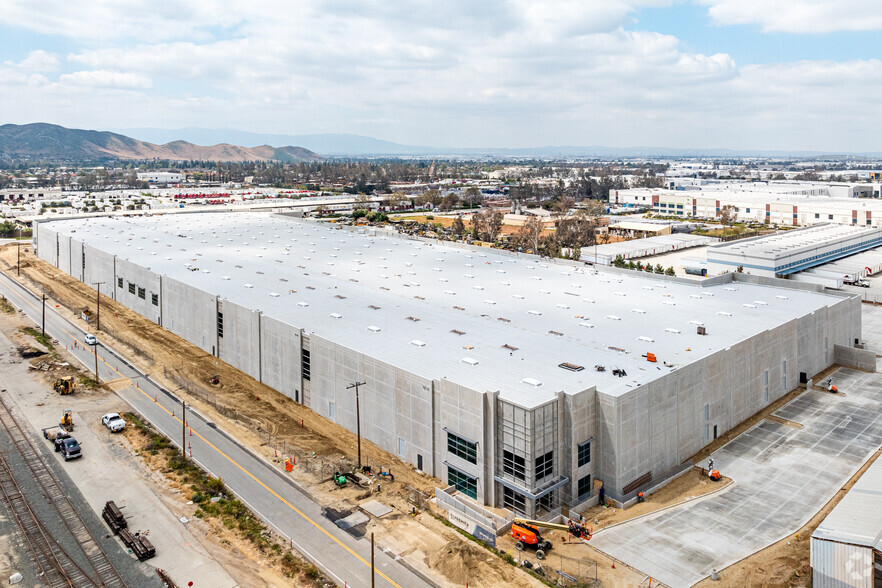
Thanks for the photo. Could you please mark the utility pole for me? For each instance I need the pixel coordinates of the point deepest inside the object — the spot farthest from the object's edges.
(373, 574)
(98, 304)
(95, 349)
(357, 417)
(43, 323)
(18, 269)
(184, 429)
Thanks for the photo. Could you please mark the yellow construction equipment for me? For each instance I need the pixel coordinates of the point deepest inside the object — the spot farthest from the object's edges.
(65, 385)
(67, 421)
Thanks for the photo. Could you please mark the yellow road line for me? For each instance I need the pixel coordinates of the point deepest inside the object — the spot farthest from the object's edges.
(273, 492)
(231, 460)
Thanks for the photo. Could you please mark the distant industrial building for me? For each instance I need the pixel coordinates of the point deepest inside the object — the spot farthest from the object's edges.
(788, 252)
(846, 548)
(804, 207)
(642, 248)
(161, 177)
(22, 195)
(519, 381)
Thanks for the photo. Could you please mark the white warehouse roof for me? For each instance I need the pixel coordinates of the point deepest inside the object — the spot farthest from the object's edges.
(857, 519)
(478, 317)
(790, 251)
(638, 248)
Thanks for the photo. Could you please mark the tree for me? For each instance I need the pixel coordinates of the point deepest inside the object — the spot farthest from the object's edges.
(648, 268)
(580, 228)
(458, 226)
(632, 265)
(473, 196)
(430, 198)
(561, 208)
(528, 235)
(488, 223)
(727, 214)
(670, 272)
(449, 201)
(659, 269)
(7, 228)
(549, 246)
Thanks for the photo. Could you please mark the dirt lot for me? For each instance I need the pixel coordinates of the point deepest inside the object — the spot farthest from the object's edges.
(506, 228)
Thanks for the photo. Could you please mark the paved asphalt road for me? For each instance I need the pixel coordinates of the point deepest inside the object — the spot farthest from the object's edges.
(261, 486)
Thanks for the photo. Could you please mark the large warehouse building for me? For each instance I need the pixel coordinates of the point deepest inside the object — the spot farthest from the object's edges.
(792, 251)
(517, 380)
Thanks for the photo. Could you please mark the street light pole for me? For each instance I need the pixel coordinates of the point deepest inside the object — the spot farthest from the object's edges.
(357, 417)
(43, 322)
(98, 304)
(18, 267)
(184, 429)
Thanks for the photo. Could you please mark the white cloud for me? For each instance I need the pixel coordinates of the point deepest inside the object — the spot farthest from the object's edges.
(492, 73)
(106, 79)
(798, 16)
(36, 61)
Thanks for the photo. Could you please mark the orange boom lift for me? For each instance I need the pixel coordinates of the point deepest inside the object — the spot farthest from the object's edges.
(527, 534)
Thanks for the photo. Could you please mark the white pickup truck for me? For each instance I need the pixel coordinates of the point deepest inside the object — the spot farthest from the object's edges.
(113, 421)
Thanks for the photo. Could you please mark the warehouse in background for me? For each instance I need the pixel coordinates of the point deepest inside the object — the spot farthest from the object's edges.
(789, 252)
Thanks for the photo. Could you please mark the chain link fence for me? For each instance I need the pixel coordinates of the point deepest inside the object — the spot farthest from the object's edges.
(417, 498)
(570, 571)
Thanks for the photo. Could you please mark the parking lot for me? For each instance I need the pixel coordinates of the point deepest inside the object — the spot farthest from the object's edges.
(783, 476)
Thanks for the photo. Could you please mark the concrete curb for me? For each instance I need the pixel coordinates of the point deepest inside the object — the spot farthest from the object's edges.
(727, 486)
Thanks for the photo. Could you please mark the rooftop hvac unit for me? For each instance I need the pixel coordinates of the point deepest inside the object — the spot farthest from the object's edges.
(702, 331)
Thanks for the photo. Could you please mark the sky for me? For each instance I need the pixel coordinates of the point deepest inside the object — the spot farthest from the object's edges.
(738, 74)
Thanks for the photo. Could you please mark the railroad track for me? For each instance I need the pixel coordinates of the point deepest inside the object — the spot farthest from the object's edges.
(56, 567)
(103, 574)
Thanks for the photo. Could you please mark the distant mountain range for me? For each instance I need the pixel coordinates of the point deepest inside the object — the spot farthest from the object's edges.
(343, 145)
(46, 141)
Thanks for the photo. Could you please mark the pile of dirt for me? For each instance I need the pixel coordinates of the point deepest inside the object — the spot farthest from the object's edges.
(690, 485)
(458, 561)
